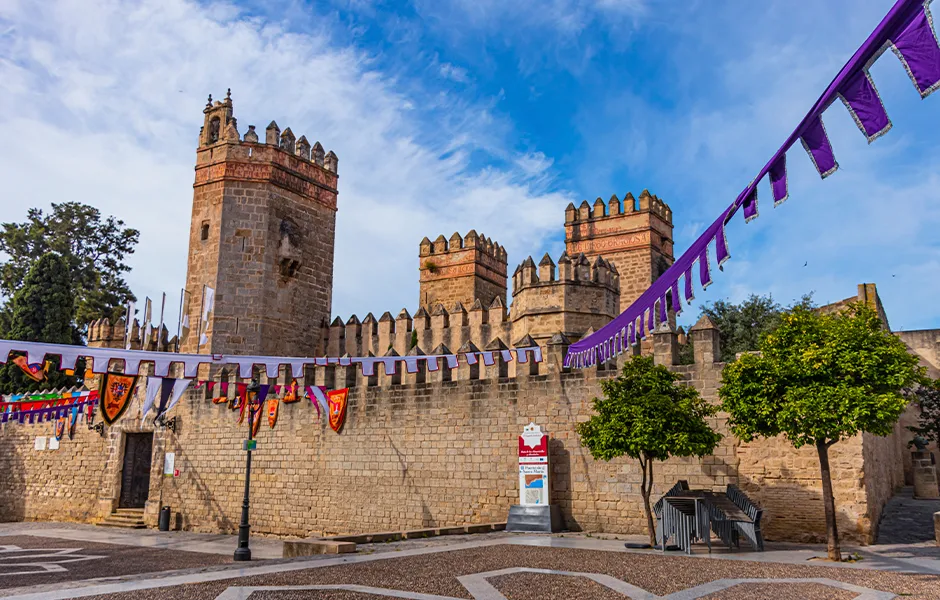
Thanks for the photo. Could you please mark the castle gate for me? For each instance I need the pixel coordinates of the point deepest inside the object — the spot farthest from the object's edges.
(135, 475)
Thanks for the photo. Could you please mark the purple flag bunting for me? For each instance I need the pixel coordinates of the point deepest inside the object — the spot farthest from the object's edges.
(778, 180)
(817, 145)
(863, 103)
(917, 47)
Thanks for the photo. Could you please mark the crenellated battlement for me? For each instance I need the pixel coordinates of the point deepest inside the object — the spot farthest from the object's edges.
(576, 296)
(614, 208)
(569, 270)
(461, 269)
(102, 334)
(221, 127)
(456, 243)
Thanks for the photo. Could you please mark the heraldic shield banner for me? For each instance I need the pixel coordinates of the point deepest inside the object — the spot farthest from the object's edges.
(116, 392)
(337, 401)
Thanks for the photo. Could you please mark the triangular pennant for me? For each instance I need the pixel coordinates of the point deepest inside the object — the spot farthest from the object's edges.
(179, 386)
(153, 386)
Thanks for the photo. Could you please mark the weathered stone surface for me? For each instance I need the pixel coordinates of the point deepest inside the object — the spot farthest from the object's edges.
(295, 548)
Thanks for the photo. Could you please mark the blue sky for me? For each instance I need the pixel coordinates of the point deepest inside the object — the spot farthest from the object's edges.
(484, 114)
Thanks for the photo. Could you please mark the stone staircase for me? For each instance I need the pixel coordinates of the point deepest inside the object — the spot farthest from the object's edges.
(128, 518)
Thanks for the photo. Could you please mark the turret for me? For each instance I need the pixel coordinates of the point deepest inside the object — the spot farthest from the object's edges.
(634, 237)
(461, 269)
(582, 296)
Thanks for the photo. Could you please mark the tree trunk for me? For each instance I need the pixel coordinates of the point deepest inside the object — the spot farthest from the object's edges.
(646, 486)
(832, 533)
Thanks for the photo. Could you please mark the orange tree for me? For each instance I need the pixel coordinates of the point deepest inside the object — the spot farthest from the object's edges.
(819, 379)
(646, 415)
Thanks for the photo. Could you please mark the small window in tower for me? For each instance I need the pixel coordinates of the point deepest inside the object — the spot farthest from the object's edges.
(214, 125)
(204, 232)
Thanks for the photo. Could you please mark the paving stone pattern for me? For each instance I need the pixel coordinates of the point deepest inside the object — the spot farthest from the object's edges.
(907, 520)
(116, 560)
(658, 575)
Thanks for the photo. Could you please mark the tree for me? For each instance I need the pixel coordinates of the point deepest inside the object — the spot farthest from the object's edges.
(741, 326)
(43, 311)
(645, 415)
(927, 397)
(93, 249)
(817, 380)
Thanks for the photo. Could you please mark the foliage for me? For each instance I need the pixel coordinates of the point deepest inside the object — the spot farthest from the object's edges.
(819, 379)
(414, 339)
(927, 397)
(645, 415)
(93, 248)
(741, 326)
(42, 312)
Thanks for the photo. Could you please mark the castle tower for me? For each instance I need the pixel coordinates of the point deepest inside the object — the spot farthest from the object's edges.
(262, 233)
(637, 240)
(462, 269)
(580, 296)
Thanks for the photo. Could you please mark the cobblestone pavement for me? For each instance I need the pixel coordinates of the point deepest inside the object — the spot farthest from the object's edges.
(906, 520)
(30, 560)
(522, 568)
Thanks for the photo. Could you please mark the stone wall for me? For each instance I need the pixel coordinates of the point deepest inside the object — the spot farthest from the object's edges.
(433, 449)
(61, 485)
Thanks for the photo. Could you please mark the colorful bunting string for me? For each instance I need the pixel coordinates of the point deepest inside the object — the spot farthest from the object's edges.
(908, 31)
(161, 361)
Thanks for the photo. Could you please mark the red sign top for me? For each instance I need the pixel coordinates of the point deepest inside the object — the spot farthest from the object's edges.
(528, 450)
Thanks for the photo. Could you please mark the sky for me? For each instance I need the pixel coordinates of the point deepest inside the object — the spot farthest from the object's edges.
(488, 115)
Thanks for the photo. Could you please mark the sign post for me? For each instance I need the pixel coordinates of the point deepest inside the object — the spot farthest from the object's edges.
(535, 511)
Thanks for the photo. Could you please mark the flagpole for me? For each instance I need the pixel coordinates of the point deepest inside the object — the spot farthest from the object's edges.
(179, 327)
(127, 322)
(202, 305)
(160, 330)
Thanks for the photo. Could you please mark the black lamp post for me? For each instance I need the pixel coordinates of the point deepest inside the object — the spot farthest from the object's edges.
(243, 552)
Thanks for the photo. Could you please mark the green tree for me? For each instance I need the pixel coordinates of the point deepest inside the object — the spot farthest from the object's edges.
(819, 379)
(93, 248)
(646, 415)
(741, 326)
(927, 397)
(43, 311)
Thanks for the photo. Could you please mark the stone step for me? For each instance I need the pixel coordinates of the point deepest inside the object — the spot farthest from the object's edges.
(123, 524)
(119, 517)
(129, 511)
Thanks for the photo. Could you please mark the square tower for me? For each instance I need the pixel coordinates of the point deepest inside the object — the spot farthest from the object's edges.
(636, 240)
(262, 235)
(462, 269)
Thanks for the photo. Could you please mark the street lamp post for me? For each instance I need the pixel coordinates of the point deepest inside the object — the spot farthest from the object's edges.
(243, 552)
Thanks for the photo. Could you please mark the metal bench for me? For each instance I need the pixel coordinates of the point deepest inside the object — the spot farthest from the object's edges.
(751, 530)
(678, 489)
(686, 519)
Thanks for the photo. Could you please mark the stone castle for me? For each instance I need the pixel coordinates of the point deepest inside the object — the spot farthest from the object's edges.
(425, 449)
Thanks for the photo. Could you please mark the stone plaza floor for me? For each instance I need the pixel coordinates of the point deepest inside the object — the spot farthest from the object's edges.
(78, 561)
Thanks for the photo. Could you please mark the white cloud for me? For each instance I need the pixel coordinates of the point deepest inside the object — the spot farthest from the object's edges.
(454, 73)
(103, 102)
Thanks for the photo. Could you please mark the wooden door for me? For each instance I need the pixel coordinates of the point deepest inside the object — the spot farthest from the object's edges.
(135, 476)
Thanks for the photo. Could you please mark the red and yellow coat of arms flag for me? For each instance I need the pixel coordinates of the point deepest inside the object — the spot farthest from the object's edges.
(116, 392)
(337, 403)
(273, 404)
(36, 371)
(60, 428)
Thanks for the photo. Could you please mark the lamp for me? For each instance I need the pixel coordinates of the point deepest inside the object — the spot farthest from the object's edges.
(243, 552)
(171, 424)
